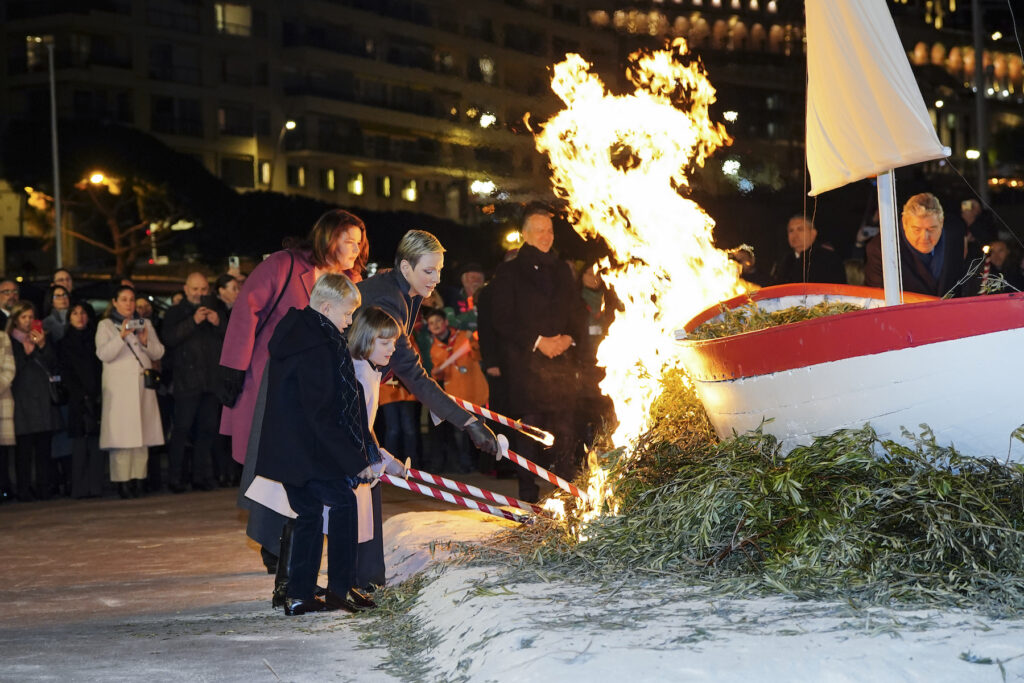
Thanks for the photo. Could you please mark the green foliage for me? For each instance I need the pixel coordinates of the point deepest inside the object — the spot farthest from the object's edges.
(751, 317)
(848, 517)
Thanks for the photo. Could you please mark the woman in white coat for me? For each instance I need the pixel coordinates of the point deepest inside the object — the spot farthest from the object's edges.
(130, 418)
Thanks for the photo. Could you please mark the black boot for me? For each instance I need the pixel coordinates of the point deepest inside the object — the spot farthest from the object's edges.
(283, 559)
(123, 489)
(137, 491)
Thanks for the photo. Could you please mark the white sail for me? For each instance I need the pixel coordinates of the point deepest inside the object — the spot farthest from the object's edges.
(865, 113)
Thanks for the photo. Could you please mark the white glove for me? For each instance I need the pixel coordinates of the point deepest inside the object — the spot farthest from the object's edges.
(502, 447)
(391, 465)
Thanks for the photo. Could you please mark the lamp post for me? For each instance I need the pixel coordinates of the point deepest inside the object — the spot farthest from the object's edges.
(288, 125)
(57, 231)
(980, 108)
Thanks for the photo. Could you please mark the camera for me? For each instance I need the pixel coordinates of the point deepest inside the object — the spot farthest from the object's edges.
(135, 324)
(234, 263)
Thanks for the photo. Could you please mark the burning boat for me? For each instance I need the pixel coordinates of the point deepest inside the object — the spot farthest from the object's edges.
(943, 363)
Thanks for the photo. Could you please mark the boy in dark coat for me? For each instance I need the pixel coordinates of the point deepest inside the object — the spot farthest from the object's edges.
(315, 442)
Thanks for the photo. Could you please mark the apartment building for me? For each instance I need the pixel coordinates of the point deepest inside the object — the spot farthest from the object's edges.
(381, 104)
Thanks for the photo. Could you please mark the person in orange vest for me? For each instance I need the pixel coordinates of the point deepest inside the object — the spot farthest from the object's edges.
(401, 413)
(455, 357)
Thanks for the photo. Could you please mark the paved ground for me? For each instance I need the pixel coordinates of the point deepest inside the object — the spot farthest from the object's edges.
(165, 587)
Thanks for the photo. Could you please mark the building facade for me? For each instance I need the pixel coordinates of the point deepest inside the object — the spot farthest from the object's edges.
(381, 104)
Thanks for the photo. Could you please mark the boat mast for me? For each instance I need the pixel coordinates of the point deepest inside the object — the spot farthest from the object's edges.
(892, 277)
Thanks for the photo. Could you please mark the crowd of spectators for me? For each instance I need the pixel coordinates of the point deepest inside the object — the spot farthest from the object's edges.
(89, 397)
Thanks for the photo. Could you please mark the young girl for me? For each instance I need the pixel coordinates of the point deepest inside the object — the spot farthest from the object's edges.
(371, 341)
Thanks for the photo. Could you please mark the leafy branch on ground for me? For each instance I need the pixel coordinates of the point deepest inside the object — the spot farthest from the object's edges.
(849, 517)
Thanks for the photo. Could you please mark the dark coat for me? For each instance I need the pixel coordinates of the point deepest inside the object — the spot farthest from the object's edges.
(916, 276)
(195, 349)
(489, 353)
(389, 291)
(33, 410)
(304, 432)
(820, 263)
(82, 373)
(534, 295)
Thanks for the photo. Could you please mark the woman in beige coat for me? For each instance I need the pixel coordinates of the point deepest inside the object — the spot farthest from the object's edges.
(6, 414)
(130, 419)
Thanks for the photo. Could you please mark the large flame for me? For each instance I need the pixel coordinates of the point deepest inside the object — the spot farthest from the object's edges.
(620, 162)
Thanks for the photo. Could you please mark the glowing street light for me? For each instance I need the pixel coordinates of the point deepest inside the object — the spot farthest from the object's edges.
(939, 104)
(973, 154)
(96, 178)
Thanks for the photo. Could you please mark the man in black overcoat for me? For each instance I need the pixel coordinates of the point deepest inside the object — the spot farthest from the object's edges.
(193, 331)
(931, 254)
(807, 259)
(539, 316)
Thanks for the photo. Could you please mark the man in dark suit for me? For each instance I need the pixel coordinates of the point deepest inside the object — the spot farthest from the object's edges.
(807, 260)
(931, 255)
(8, 295)
(540, 318)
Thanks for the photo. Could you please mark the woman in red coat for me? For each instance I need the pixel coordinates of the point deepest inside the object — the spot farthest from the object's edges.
(336, 244)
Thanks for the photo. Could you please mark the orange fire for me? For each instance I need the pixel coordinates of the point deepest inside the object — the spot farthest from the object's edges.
(620, 161)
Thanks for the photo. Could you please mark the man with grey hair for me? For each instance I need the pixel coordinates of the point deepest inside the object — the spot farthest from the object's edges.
(193, 333)
(931, 254)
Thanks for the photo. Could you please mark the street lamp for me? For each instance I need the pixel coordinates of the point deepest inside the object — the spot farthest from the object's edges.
(288, 125)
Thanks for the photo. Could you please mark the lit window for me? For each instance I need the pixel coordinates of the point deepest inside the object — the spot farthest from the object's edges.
(296, 175)
(327, 179)
(233, 19)
(409, 193)
(264, 172)
(486, 65)
(355, 184)
(384, 186)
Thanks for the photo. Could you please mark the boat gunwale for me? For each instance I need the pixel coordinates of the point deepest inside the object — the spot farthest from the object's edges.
(831, 338)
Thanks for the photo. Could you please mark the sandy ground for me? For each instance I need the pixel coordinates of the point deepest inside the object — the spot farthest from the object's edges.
(164, 588)
(167, 589)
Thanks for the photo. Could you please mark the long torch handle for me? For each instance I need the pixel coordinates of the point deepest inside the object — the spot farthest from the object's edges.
(454, 499)
(536, 433)
(470, 490)
(544, 474)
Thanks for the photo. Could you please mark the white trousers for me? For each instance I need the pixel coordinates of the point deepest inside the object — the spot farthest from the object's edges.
(128, 463)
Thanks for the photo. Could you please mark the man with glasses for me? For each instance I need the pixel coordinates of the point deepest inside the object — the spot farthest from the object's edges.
(62, 278)
(8, 295)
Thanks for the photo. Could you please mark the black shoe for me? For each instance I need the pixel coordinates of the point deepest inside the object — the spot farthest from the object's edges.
(203, 486)
(294, 607)
(177, 488)
(124, 490)
(281, 565)
(136, 488)
(361, 599)
(349, 603)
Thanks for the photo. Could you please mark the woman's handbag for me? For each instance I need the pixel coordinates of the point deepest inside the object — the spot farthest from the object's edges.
(58, 392)
(150, 376)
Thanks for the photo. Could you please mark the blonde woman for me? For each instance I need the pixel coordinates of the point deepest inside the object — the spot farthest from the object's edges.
(130, 419)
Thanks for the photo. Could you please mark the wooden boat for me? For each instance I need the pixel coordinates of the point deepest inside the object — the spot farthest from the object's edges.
(949, 364)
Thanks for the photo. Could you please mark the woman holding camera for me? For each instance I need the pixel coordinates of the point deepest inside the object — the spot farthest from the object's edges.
(130, 420)
(35, 416)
